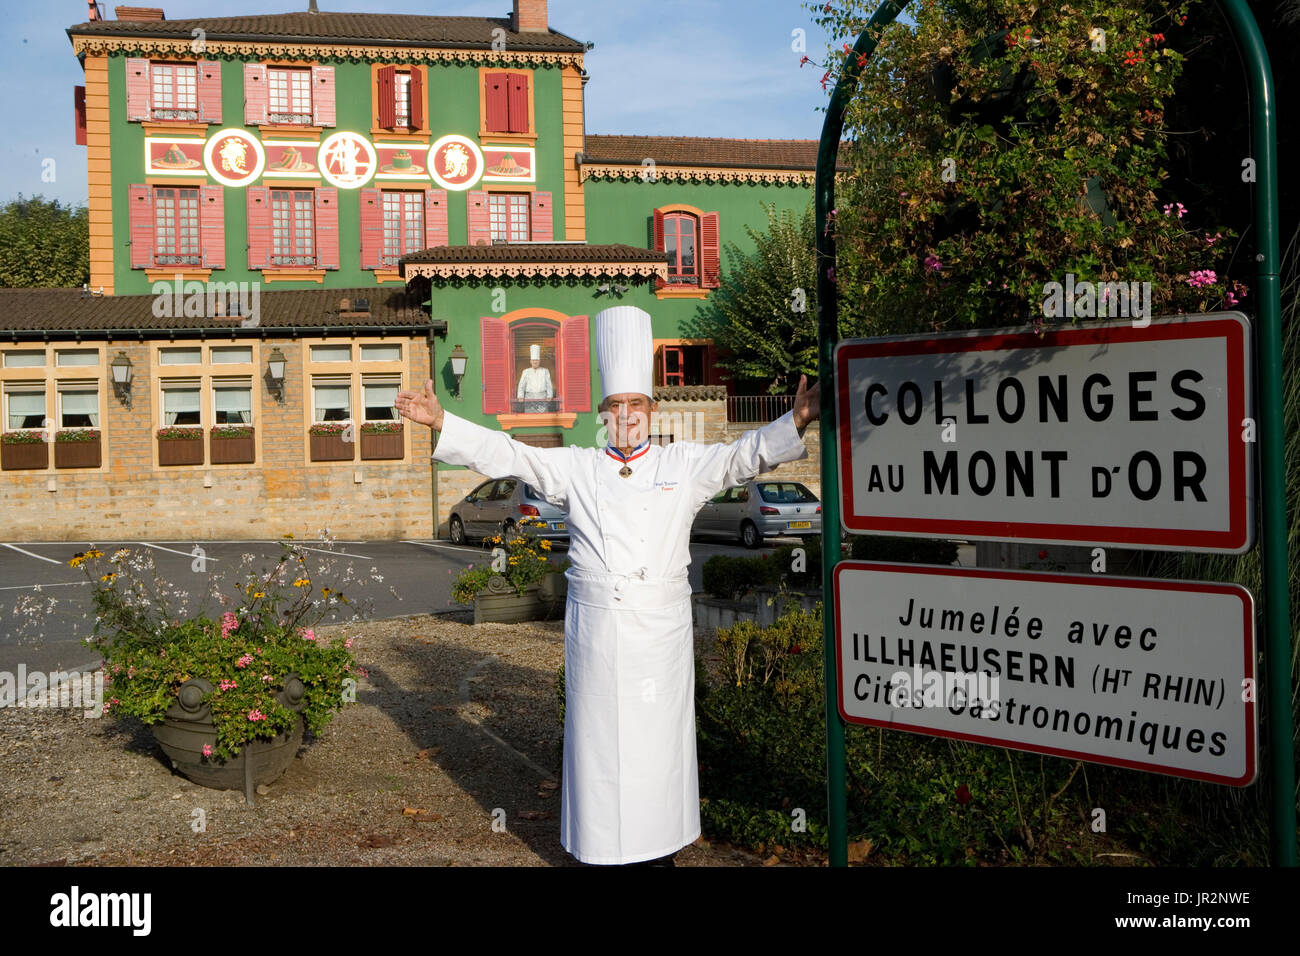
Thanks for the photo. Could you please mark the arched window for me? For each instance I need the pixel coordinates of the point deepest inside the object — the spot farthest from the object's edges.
(692, 240)
(681, 242)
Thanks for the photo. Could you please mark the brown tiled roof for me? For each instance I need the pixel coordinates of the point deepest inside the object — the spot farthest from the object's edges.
(702, 151)
(24, 311)
(537, 252)
(371, 28)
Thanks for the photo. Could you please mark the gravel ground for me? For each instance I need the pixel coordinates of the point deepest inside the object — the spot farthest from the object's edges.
(456, 721)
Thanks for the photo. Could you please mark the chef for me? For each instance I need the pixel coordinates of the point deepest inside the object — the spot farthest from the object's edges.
(630, 791)
(535, 382)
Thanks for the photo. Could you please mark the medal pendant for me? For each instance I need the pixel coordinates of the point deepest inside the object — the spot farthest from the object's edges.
(624, 471)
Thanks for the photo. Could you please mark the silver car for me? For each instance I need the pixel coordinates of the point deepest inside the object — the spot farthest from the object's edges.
(761, 509)
(497, 505)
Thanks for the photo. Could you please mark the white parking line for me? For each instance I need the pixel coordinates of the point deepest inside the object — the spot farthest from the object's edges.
(444, 547)
(344, 553)
(31, 555)
(188, 554)
(26, 587)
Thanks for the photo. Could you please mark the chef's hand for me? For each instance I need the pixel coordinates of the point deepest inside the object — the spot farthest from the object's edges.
(807, 403)
(421, 407)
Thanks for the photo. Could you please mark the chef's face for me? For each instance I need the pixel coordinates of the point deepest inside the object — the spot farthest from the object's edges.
(535, 362)
(626, 418)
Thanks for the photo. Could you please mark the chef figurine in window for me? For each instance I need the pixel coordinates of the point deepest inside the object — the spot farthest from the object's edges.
(535, 383)
(630, 791)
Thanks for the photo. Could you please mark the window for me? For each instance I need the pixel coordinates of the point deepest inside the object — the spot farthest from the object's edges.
(507, 103)
(508, 216)
(79, 408)
(785, 492)
(381, 353)
(331, 402)
(175, 91)
(26, 408)
(289, 95)
(180, 356)
(29, 358)
(293, 230)
(181, 404)
(680, 244)
(682, 364)
(691, 239)
(403, 225)
(232, 404)
(232, 355)
(397, 98)
(76, 357)
(402, 100)
(331, 353)
(176, 226)
(380, 400)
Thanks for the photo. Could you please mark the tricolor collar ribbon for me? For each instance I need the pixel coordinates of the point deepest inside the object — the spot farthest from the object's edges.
(636, 452)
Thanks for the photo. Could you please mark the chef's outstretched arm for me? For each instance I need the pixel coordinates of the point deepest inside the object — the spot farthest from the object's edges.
(760, 449)
(494, 454)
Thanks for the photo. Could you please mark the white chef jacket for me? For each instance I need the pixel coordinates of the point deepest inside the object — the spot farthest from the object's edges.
(535, 383)
(630, 788)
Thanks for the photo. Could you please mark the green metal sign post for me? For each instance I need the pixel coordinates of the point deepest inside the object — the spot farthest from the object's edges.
(1276, 599)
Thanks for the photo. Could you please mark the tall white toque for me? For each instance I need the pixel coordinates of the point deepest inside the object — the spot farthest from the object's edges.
(625, 351)
(534, 352)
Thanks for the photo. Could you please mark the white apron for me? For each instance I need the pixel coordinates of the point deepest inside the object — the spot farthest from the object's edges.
(630, 790)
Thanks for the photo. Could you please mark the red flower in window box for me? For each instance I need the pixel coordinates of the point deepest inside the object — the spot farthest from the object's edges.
(180, 433)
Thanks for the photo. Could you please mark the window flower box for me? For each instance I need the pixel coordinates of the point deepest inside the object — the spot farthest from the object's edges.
(328, 444)
(231, 444)
(23, 449)
(180, 445)
(381, 440)
(77, 448)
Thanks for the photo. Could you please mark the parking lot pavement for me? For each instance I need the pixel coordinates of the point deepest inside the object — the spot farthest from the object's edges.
(46, 607)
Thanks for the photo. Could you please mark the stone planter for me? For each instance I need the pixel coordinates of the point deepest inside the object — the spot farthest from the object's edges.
(187, 727)
(24, 455)
(499, 602)
(77, 454)
(554, 592)
(717, 612)
(381, 445)
(181, 451)
(331, 448)
(231, 451)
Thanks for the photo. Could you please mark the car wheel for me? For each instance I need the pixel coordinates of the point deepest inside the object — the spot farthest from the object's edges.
(457, 531)
(749, 535)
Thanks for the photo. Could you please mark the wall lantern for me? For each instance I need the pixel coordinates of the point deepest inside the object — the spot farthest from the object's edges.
(121, 367)
(275, 372)
(458, 359)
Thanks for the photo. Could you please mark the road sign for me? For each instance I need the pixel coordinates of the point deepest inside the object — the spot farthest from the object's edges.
(1100, 433)
(1145, 674)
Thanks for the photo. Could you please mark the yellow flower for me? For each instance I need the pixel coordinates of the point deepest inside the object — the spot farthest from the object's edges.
(76, 562)
(259, 594)
(301, 582)
(286, 535)
(107, 577)
(545, 545)
(325, 592)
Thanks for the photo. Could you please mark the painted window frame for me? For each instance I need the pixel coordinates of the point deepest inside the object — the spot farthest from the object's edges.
(298, 195)
(289, 71)
(527, 136)
(406, 244)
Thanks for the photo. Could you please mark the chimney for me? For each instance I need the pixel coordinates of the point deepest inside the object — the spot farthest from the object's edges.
(94, 11)
(529, 17)
(139, 13)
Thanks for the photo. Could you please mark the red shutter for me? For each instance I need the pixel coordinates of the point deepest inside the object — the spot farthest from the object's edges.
(387, 96)
(496, 102)
(255, 94)
(139, 92)
(495, 343)
(417, 98)
(209, 88)
(212, 226)
(142, 226)
(517, 85)
(540, 216)
(259, 227)
(476, 214)
(322, 95)
(574, 353)
(79, 114)
(435, 218)
(710, 251)
(327, 228)
(659, 243)
(372, 228)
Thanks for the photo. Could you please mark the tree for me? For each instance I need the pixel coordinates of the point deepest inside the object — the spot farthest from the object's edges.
(44, 244)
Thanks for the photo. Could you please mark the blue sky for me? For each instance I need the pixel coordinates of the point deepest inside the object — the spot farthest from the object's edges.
(682, 67)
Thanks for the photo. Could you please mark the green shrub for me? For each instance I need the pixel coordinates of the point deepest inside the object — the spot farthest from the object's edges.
(728, 578)
(906, 550)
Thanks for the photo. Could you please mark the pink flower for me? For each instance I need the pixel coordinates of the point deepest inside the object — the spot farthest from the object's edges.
(804, 60)
(308, 634)
(1179, 206)
(267, 678)
(244, 661)
(348, 643)
(207, 750)
(1211, 240)
(1202, 277)
(227, 685)
(932, 262)
(256, 714)
(228, 623)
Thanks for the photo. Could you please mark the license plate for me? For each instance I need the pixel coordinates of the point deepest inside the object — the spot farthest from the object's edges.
(557, 525)
(800, 524)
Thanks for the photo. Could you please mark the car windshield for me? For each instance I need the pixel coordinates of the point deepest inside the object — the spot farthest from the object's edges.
(784, 492)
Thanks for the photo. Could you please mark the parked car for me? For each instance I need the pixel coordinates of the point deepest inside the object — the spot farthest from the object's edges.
(497, 505)
(761, 509)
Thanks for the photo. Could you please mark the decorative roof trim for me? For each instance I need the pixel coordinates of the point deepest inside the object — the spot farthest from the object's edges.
(530, 270)
(179, 47)
(689, 393)
(698, 174)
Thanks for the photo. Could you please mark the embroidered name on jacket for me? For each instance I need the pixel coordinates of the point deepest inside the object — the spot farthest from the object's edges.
(666, 485)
